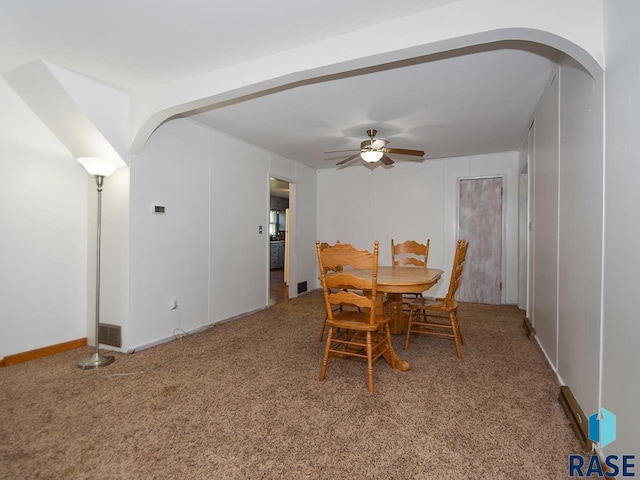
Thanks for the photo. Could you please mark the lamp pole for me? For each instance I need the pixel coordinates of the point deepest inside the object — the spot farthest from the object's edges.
(98, 168)
(97, 359)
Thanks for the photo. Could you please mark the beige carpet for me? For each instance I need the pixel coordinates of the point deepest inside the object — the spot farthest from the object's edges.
(242, 400)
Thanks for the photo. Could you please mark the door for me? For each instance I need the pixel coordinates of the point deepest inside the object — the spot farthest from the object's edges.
(480, 223)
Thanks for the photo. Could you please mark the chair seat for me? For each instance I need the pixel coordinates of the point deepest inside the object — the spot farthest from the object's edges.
(357, 321)
(438, 304)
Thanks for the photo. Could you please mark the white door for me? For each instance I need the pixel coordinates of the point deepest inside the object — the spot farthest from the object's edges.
(480, 223)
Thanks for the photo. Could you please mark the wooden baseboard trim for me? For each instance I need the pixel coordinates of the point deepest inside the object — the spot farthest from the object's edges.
(42, 352)
(579, 422)
(528, 328)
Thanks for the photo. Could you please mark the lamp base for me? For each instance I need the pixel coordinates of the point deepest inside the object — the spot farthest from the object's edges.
(95, 361)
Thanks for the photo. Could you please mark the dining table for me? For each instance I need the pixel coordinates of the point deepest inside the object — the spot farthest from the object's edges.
(394, 282)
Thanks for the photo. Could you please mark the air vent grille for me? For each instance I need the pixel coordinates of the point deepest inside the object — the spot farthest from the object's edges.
(110, 335)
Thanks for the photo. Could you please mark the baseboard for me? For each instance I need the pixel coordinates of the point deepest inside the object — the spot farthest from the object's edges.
(528, 328)
(579, 422)
(42, 352)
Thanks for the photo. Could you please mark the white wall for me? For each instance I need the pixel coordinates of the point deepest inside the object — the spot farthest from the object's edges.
(43, 240)
(239, 206)
(580, 231)
(106, 107)
(544, 224)
(206, 250)
(305, 212)
(215, 190)
(567, 166)
(620, 375)
(169, 252)
(414, 201)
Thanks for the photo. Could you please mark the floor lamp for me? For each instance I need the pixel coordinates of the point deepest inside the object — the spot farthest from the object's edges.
(98, 168)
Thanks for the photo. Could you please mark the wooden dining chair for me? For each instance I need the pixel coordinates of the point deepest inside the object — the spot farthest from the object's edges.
(439, 316)
(358, 331)
(409, 253)
(336, 268)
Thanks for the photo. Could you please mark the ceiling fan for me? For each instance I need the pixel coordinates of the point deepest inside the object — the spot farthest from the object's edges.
(374, 150)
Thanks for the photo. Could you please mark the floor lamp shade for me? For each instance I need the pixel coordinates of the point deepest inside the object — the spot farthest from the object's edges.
(98, 168)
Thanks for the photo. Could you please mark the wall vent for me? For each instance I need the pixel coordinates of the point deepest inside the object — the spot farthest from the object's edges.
(110, 335)
(302, 287)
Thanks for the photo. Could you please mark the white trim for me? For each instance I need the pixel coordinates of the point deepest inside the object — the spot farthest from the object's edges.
(602, 249)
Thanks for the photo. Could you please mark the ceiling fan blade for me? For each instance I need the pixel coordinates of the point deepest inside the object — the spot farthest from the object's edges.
(348, 159)
(386, 160)
(404, 151)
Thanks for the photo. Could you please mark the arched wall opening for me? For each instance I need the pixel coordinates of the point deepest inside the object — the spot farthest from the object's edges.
(153, 109)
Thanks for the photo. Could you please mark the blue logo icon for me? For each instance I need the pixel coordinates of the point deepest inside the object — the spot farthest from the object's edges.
(602, 430)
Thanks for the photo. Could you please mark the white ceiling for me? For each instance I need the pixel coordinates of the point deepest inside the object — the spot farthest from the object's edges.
(470, 101)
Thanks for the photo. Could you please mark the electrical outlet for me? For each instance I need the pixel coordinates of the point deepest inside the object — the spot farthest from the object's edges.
(173, 303)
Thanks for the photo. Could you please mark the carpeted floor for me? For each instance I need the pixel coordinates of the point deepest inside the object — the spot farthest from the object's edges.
(242, 400)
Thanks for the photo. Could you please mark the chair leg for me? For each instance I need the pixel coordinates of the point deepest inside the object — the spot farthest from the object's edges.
(406, 341)
(325, 360)
(369, 362)
(324, 325)
(454, 330)
(459, 325)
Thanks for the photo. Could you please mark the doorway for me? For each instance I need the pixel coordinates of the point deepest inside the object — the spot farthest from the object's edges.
(480, 221)
(278, 240)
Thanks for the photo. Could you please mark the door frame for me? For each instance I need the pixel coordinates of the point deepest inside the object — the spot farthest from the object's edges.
(503, 259)
(524, 296)
(291, 235)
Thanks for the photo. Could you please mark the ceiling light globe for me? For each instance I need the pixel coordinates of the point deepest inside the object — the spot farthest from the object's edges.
(371, 156)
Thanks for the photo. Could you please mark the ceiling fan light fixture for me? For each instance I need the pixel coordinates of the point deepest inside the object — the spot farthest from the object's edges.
(371, 156)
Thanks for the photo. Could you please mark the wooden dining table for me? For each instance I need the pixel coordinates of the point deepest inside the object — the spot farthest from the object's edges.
(394, 281)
